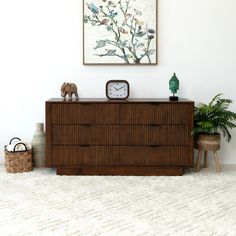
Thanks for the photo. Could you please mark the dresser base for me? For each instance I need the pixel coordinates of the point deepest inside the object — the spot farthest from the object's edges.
(130, 170)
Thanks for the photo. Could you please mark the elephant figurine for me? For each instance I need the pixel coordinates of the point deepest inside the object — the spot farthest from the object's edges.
(69, 89)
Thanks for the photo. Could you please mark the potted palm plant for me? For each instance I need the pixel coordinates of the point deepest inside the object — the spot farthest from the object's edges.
(210, 121)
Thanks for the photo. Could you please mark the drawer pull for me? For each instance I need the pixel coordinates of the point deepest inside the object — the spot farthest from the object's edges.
(154, 146)
(153, 124)
(85, 145)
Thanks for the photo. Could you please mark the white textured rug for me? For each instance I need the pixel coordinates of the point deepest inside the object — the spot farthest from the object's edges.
(42, 203)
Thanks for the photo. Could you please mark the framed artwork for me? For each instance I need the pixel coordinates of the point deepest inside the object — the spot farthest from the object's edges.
(120, 32)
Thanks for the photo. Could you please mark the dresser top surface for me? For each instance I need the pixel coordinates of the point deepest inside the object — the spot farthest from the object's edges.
(130, 100)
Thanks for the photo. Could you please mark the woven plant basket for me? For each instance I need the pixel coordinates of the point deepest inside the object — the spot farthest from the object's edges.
(18, 162)
(208, 142)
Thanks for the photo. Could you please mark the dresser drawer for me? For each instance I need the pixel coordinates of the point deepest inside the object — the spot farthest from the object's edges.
(155, 113)
(156, 156)
(122, 156)
(85, 113)
(85, 135)
(154, 135)
(120, 135)
(85, 155)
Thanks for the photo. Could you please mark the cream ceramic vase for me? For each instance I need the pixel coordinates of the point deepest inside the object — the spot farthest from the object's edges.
(38, 146)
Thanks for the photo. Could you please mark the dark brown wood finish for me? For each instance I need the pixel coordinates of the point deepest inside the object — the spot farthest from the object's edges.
(99, 136)
(85, 113)
(121, 155)
(110, 170)
(48, 150)
(120, 135)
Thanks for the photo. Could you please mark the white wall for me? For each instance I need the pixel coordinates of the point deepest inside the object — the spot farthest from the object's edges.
(41, 47)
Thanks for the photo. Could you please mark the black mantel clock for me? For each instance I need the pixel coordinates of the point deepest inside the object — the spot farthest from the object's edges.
(117, 89)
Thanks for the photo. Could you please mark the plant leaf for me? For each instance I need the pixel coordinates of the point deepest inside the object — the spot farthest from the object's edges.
(100, 44)
(214, 117)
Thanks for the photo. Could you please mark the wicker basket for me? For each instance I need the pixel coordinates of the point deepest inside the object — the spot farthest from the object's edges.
(18, 162)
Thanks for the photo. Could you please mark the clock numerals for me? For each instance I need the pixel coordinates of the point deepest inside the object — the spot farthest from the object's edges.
(117, 89)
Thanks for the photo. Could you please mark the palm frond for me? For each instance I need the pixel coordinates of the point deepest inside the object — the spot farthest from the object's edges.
(214, 117)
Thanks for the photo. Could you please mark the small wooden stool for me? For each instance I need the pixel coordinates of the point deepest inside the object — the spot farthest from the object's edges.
(205, 143)
(199, 156)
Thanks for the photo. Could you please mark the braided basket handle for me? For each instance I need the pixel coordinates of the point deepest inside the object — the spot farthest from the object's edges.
(21, 150)
(13, 139)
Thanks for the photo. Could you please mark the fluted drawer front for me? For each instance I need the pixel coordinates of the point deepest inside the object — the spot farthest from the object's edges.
(154, 135)
(122, 156)
(85, 113)
(120, 135)
(155, 113)
(87, 155)
(156, 155)
(85, 135)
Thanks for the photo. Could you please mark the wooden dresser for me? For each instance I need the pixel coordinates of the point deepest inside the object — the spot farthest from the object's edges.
(133, 137)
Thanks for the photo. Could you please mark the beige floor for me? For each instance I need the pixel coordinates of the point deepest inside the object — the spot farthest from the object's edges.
(41, 203)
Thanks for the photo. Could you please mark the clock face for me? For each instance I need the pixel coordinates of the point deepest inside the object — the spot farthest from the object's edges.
(117, 89)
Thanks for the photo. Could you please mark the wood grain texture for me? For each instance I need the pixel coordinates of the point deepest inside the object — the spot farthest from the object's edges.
(85, 113)
(120, 135)
(48, 129)
(122, 155)
(99, 134)
(153, 113)
(110, 170)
